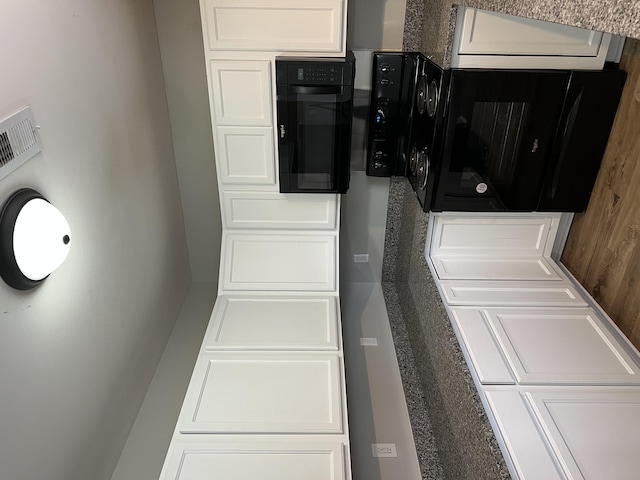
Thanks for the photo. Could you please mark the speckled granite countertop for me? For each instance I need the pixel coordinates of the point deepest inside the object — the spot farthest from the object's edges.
(453, 437)
(430, 24)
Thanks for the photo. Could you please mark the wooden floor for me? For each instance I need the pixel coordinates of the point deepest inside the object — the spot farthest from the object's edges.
(603, 248)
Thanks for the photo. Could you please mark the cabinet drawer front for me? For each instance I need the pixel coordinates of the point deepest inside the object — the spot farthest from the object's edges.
(263, 393)
(247, 156)
(253, 210)
(241, 92)
(502, 293)
(278, 25)
(257, 262)
(273, 323)
(523, 268)
(250, 460)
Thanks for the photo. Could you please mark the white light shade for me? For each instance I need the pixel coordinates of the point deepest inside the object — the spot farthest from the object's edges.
(40, 239)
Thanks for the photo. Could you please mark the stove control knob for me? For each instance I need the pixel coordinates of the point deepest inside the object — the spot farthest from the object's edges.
(380, 116)
(378, 165)
(378, 155)
(385, 68)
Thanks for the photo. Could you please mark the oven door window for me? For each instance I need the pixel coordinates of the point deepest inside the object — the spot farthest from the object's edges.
(500, 132)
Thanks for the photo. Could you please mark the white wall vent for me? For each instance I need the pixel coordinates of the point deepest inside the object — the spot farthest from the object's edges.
(19, 141)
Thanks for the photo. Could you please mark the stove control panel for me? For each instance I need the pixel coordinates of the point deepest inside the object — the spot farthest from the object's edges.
(386, 122)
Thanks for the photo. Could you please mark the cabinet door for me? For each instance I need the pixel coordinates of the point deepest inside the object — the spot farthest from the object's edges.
(207, 459)
(278, 262)
(264, 393)
(247, 156)
(273, 323)
(241, 92)
(269, 210)
(277, 25)
(495, 40)
(547, 345)
(526, 444)
(593, 431)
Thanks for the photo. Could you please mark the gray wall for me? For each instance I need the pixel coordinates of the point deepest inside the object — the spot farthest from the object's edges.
(180, 37)
(77, 354)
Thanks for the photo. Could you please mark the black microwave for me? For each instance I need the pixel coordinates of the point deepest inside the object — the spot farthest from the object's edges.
(314, 109)
(492, 140)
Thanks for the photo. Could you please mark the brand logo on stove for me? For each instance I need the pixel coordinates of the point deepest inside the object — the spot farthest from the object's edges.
(534, 147)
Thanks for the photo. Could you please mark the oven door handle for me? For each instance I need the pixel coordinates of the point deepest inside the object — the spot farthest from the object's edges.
(323, 90)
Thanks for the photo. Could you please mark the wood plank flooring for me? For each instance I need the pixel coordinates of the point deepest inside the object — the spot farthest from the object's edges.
(603, 248)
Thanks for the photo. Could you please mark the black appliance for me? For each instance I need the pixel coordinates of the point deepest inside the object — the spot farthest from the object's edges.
(514, 140)
(314, 105)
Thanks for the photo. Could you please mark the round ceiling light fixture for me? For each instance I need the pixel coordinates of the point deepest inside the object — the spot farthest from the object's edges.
(34, 239)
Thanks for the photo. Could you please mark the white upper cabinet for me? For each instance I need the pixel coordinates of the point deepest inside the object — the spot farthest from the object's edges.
(276, 25)
(271, 392)
(246, 156)
(208, 459)
(258, 262)
(273, 323)
(241, 92)
(494, 40)
(273, 210)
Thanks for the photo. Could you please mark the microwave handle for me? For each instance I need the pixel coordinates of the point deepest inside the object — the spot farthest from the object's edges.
(315, 90)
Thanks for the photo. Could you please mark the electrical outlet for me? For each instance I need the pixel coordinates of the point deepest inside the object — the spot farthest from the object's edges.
(384, 449)
(361, 258)
(370, 342)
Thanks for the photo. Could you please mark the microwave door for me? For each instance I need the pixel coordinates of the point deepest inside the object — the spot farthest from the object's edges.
(315, 124)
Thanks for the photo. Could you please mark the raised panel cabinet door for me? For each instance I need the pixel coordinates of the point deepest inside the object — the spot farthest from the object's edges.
(241, 92)
(494, 40)
(594, 431)
(277, 25)
(527, 453)
(485, 32)
(269, 392)
(462, 235)
(278, 262)
(272, 210)
(276, 322)
(560, 346)
(510, 293)
(207, 459)
(247, 156)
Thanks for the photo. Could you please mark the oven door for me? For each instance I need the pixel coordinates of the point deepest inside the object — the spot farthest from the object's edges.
(314, 131)
(500, 126)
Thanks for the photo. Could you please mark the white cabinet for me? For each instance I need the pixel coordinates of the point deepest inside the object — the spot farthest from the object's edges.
(544, 346)
(273, 323)
(271, 392)
(511, 293)
(493, 247)
(263, 460)
(241, 92)
(246, 156)
(272, 210)
(569, 432)
(278, 262)
(276, 25)
(487, 39)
